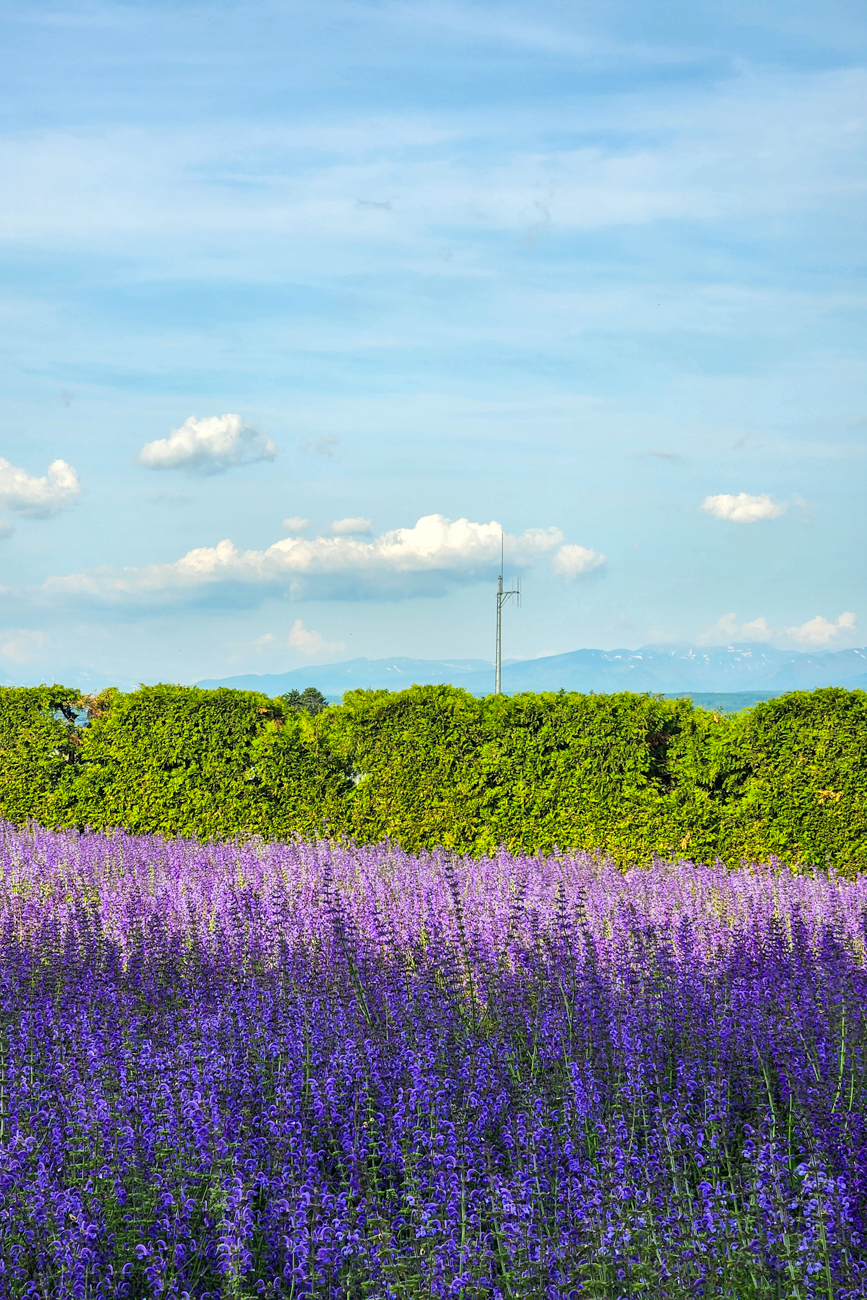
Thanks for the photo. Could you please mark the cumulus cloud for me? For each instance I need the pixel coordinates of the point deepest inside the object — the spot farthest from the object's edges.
(729, 629)
(208, 446)
(295, 524)
(38, 498)
(572, 561)
(432, 555)
(311, 644)
(21, 644)
(743, 508)
(818, 631)
(356, 524)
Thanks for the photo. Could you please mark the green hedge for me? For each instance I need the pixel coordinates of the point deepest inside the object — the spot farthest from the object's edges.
(184, 761)
(38, 746)
(803, 792)
(528, 771)
(634, 775)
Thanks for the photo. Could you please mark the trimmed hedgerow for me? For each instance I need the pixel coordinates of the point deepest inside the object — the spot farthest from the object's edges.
(633, 775)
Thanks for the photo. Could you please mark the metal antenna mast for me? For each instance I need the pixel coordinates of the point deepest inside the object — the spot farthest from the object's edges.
(502, 597)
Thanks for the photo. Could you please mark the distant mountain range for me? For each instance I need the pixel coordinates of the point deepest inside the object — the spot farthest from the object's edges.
(668, 670)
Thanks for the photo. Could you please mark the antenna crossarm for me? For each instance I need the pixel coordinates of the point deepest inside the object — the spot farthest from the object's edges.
(502, 597)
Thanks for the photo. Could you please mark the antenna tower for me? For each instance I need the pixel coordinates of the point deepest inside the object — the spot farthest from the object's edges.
(502, 597)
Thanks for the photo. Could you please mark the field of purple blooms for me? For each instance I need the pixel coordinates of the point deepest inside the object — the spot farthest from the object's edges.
(313, 1070)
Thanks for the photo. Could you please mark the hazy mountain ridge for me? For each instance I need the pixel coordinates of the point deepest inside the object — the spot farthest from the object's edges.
(663, 669)
(667, 670)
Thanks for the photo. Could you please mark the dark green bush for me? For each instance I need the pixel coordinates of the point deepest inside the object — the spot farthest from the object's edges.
(38, 744)
(633, 775)
(530, 771)
(183, 761)
(803, 795)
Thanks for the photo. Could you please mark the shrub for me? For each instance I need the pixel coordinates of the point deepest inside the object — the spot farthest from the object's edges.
(633, 775)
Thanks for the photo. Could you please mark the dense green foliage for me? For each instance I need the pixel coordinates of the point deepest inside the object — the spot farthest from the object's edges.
(168, 759)
(634, 775)
(37, 746)
(529, 771)
(803, 792)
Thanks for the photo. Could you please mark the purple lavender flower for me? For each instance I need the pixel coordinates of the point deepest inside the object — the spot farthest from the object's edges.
(316, 1070)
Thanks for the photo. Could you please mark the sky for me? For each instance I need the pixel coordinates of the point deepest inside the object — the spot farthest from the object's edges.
(305, 306)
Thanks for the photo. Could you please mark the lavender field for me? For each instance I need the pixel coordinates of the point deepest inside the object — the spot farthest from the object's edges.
(312, 1070)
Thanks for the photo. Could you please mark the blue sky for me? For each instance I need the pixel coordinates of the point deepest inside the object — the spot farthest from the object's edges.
(592, 273)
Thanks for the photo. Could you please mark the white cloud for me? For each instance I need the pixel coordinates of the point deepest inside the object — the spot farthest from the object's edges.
(743, 508)
(818, 631)
(534, 541)
(433, 554)
(312, 644)
(571, 561)
(728, 629)
(21, 644)
(218, 442)
(295, 524)
(357, 524)
(39, 498)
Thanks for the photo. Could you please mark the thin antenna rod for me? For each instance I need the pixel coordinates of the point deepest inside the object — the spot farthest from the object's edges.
(502, 597)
